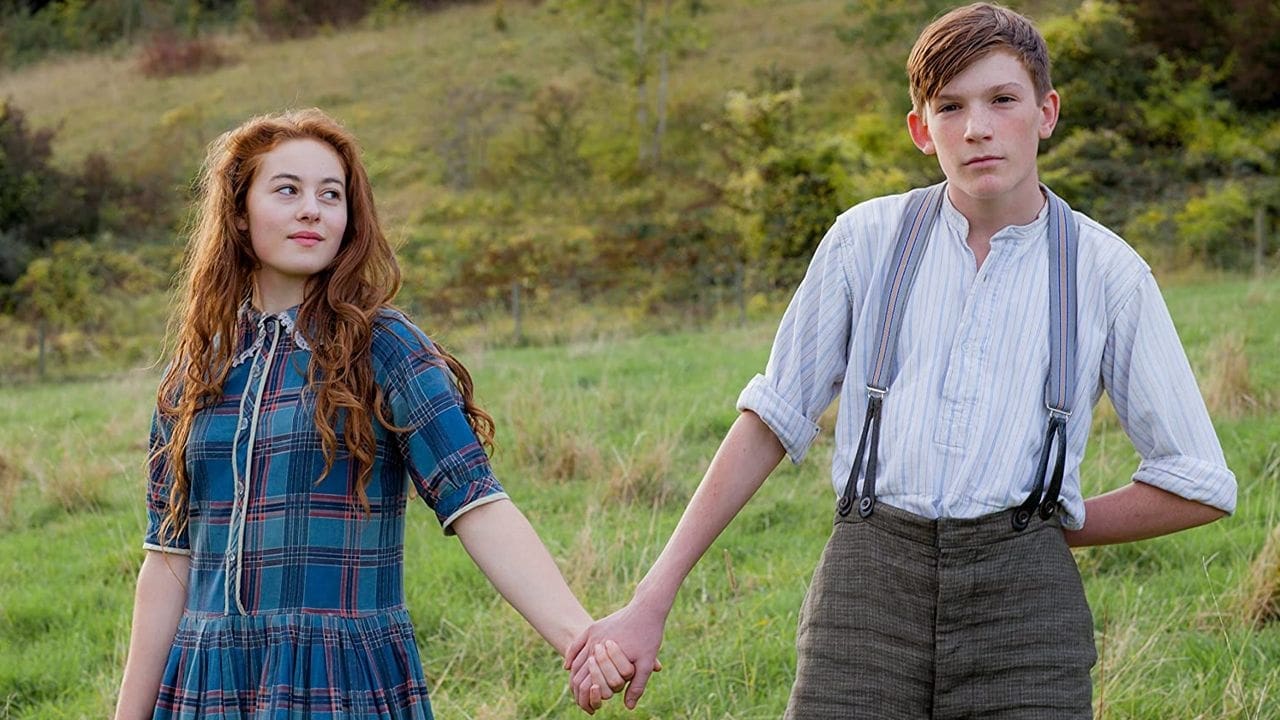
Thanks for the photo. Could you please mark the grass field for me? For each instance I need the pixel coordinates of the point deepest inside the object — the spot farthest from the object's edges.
(601, 443)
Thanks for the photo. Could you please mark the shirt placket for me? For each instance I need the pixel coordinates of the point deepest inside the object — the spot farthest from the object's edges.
(249, 413)
(966, 360)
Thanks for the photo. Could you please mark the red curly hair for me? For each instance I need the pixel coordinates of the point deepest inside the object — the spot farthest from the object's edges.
(337, 313)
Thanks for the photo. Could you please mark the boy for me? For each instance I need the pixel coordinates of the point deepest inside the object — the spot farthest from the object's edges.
(947, 589)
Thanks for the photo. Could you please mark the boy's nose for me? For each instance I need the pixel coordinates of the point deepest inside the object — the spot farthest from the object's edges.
(978, 126)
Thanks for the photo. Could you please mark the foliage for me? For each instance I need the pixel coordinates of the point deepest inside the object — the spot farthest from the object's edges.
(166, 55)
(883, 31)
(68, 287)
(635, 42)
(1239, 35)
(38, 202)
(30, 31)
(1099, 69)
(581, 427)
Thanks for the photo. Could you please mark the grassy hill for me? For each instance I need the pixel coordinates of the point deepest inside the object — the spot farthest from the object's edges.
(603, 434)
(601, 443)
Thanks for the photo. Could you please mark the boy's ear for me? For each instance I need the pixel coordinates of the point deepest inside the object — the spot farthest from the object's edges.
(1049, 113)
(920, 132)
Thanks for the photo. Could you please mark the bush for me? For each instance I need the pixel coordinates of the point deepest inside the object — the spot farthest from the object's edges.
(167, 55)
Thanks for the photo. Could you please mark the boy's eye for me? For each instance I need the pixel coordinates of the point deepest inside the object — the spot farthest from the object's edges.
(948, 107)
(1005, 99)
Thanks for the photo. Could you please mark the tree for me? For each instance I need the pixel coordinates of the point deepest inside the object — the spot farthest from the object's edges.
(883, 31)
(38, 203)
(71, 286)
(633, 41)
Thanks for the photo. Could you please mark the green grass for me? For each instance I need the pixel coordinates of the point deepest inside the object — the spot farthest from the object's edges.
(601, 442)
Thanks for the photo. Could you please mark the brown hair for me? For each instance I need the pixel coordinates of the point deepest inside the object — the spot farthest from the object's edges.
(337, 313)
(953, 42)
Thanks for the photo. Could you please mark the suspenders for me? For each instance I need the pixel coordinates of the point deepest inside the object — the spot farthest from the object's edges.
(913, 237)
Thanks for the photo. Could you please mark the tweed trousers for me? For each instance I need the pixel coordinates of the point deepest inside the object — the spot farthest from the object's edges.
(910, 619)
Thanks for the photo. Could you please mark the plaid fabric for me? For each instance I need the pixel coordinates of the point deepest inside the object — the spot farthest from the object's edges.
(295, 602)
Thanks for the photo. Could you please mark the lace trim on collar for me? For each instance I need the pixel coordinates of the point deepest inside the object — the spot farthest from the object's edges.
(248, 314)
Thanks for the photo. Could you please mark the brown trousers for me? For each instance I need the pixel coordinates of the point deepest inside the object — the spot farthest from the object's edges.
(911, 619)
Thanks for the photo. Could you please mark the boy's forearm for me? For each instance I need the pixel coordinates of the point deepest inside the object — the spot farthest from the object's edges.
(159, 600)
(509, 552)
(750, 452)
(1136, 512)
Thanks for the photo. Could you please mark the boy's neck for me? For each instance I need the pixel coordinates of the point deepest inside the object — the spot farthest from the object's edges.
(987, 216)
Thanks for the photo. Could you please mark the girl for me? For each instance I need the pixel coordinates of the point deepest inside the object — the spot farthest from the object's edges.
(295, 404)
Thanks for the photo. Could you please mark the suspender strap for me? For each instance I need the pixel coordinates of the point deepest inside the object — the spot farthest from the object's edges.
(913, 237)
(1059, 389)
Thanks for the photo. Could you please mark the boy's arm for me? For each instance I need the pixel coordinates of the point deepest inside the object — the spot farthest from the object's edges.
(750, 452)
(509, 552)
(157, 607)
(1137, 512)
(1183, 480)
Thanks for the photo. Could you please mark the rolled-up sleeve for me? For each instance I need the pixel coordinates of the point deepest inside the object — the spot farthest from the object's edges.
(441, 452)
(1149, 380)
(810, 351)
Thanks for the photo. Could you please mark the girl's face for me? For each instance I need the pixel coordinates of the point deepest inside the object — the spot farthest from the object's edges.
(296, 217)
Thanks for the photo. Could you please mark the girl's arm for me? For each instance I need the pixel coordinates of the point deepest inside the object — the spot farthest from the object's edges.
(508, 551)
(157, 607)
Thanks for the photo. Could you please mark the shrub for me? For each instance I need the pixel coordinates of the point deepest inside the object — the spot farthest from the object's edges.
(167, 55)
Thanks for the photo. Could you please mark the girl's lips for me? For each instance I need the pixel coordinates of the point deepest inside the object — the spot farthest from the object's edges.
(306, 239)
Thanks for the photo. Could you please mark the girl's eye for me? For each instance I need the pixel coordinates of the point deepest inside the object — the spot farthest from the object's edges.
(287, 190)
(331, 195)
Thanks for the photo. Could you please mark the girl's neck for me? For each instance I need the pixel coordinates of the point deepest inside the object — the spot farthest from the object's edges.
(273, 293)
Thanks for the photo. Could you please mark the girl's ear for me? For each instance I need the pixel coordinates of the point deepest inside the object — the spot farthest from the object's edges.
(242, 224)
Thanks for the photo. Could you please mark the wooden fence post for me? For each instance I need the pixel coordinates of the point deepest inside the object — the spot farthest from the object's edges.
(517, 334)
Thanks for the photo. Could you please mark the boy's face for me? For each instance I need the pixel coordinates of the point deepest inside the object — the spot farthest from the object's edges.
(985, 126)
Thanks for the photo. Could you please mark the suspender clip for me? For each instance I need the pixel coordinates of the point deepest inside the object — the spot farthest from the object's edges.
(876, 392)
(1057, 413)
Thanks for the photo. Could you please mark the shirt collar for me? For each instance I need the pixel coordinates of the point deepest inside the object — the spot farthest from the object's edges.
(1013, 233)
(251, 329)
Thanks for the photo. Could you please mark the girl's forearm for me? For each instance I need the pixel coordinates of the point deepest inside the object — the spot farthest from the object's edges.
(507, 550)
(157, 607)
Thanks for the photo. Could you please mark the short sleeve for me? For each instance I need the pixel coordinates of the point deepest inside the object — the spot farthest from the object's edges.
(441, 452)
(810, 352)
(159, 486)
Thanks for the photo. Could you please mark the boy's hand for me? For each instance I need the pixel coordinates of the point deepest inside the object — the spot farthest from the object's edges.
(632, 634)
(605, 672)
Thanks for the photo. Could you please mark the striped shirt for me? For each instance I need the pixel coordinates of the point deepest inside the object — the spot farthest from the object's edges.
(964, 418)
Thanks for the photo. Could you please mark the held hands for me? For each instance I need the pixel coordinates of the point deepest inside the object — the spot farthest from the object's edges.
(619, 648)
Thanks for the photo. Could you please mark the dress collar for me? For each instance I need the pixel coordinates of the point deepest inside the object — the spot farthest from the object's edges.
(251, 329)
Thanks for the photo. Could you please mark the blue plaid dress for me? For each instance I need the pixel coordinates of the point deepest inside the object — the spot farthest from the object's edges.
(295, 601)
